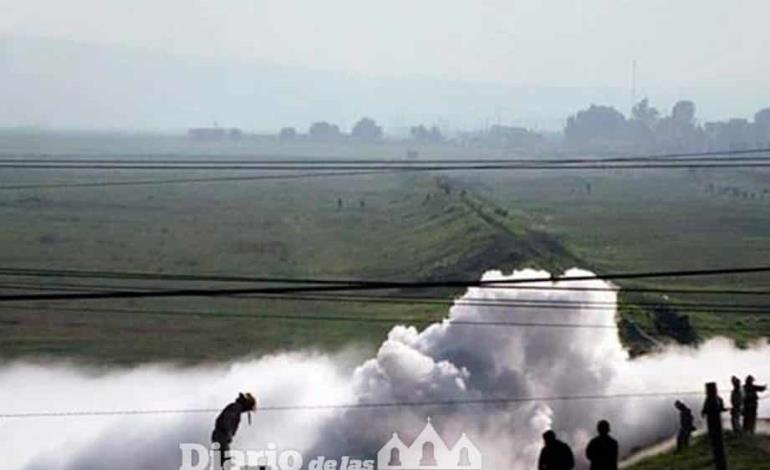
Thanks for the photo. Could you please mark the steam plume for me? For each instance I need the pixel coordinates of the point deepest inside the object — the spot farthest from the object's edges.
(442, 362)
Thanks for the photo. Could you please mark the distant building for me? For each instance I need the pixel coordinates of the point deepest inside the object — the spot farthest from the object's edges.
(214, 133)
(288, 133)
(508, 136)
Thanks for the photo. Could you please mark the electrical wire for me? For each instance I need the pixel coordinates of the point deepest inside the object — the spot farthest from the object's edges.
(395, 167)
(737, 155)
(351, 406)
(173, 277)
(331, 286)
(710, 159)
(96, 184)
(323, 317)
(527, 303)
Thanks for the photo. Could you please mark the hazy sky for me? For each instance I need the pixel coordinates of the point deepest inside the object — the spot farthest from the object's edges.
(575, 42)
(712, 51)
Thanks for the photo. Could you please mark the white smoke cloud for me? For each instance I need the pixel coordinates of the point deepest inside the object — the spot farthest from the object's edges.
(443, 362)
(151, 442)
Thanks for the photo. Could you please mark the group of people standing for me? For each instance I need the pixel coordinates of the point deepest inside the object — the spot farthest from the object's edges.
(744, 402)
(602, 451)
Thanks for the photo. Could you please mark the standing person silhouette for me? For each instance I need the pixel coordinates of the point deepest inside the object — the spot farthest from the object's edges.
(736, 404)
(556, 455)
(602, 451)
(686, 426)
(227, 423)
(750, 404)
(713, 407)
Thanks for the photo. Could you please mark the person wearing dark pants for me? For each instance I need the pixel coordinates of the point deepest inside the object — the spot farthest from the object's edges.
(750, 404)
(736, 405)
(686, 426)
(713, 407)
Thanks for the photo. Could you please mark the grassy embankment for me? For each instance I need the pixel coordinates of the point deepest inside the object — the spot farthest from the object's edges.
(745, 453)
(653, 221)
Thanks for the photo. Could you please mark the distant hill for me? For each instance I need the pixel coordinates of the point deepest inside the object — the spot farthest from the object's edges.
(74, 85)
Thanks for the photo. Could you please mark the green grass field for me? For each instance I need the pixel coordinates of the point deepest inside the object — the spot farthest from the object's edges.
(398, 227)
(745, 453)
(389, 227)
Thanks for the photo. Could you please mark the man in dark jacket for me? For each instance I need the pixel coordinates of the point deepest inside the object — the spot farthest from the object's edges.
(228, 421)
(686, 426)
(602, 451)
(750, 404)
(555, 455)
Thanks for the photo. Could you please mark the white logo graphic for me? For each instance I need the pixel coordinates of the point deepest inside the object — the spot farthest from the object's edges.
(428, 451)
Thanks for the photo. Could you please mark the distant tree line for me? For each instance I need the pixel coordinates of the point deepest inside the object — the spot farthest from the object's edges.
(426, 135)
(366, 129)
(596, 127)
(647, 128)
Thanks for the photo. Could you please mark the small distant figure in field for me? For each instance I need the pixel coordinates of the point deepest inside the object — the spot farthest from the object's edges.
(750, 403)
(339, 203)
(556, 455)
(227, 423)
(588, 188)
(736, 404)
(362, 203)
(602, 451)
(686, 426)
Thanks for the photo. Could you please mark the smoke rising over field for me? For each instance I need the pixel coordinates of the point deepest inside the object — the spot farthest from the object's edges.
(442, 362)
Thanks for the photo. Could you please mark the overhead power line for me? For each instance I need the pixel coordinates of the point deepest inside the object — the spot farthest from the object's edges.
(331, 167)
(653, 165)
(139, 275)
(330, 286)
(94, 184)
(217, 277)
(555, 304)
(183, 277)
(737, 155)
(328, 170)
(526, 303)
(323, 317)
(385, 319)
(348, 406)
(298, 176)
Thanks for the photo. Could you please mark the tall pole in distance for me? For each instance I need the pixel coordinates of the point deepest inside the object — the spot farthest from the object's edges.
(633, 83)
(712, 409)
